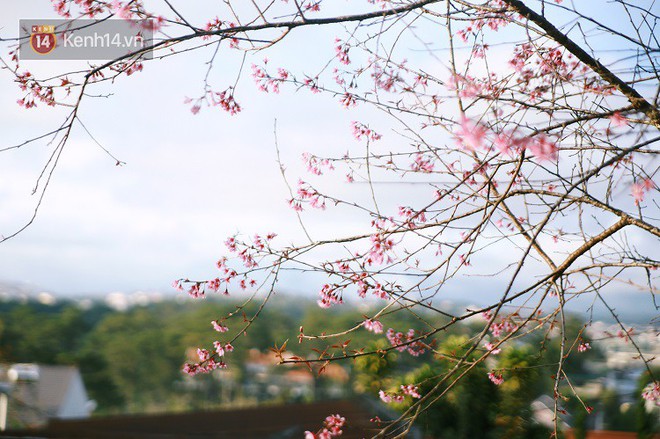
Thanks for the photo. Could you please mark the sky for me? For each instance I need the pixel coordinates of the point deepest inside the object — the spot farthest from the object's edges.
(189, 181)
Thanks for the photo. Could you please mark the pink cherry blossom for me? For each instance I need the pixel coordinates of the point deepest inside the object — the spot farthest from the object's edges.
(203, 354)
(652, 393)
(328, 296)
(341, 51)
(617, 120)
(583, 347)
(213, 284)
(410, 390)
(405, 342)
(373, 325)
(122, 10)
(360, 130)
(507, 143)
(639, 189)
(380, 248)
(219, 326)
(496, 379)
(422, 163)
(332, 427)
(219, 348)
(542, 148)
(470, 135)
(490, 347)
(388, 398)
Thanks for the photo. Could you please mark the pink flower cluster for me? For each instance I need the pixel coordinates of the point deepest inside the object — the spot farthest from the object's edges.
(311, 5)
(380, 246)
(312, 84)
(219, 326)
(542, 148)
(383, 3)
(363, 287)
(213, 25)
(332, 427)
(490, 347)
(521, 54)
(389, 397)
(221, 348)
(373, 325)
(379, 292)
(228, 272)
(341, 52)
(623, 334)
(128, 68)
(315, 164)
(129, 10)
(195, 291)
(472, 136)
(348, 100)
(223, 99)
(216, 24)
(639, 189)
(89, 8)
(385, 79)
(504, 326)
(122, 10)
(466, 86)
(309, 195)
(422, 163)
(583, 347)
(487, 18)
(406, 389)
(617, 120)
(652, 393)
(267, 83)
(207, 363)
(247, 254)
(360, 130)
(412, 217)
(410, 390)
(495, 378)
(213, 284)
(552, 62)
(35, 91)
(329, 296)
(405, 342)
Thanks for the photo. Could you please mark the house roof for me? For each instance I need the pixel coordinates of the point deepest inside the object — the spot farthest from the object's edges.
(274, 422)
(53, 386)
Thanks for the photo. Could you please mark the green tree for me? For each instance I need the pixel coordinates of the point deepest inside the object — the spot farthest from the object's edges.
(647, 422)
(520, 366)
(142, 353)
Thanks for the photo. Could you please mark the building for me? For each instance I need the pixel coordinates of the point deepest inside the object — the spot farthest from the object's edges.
(33, 394)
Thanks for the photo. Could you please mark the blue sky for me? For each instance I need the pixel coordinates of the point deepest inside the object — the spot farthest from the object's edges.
(189, 180)
(188, 183)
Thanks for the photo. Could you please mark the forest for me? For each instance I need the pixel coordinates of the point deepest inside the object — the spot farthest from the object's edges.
(131, 363)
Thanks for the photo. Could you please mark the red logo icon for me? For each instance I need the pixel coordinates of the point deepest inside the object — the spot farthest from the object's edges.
(43, 39)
